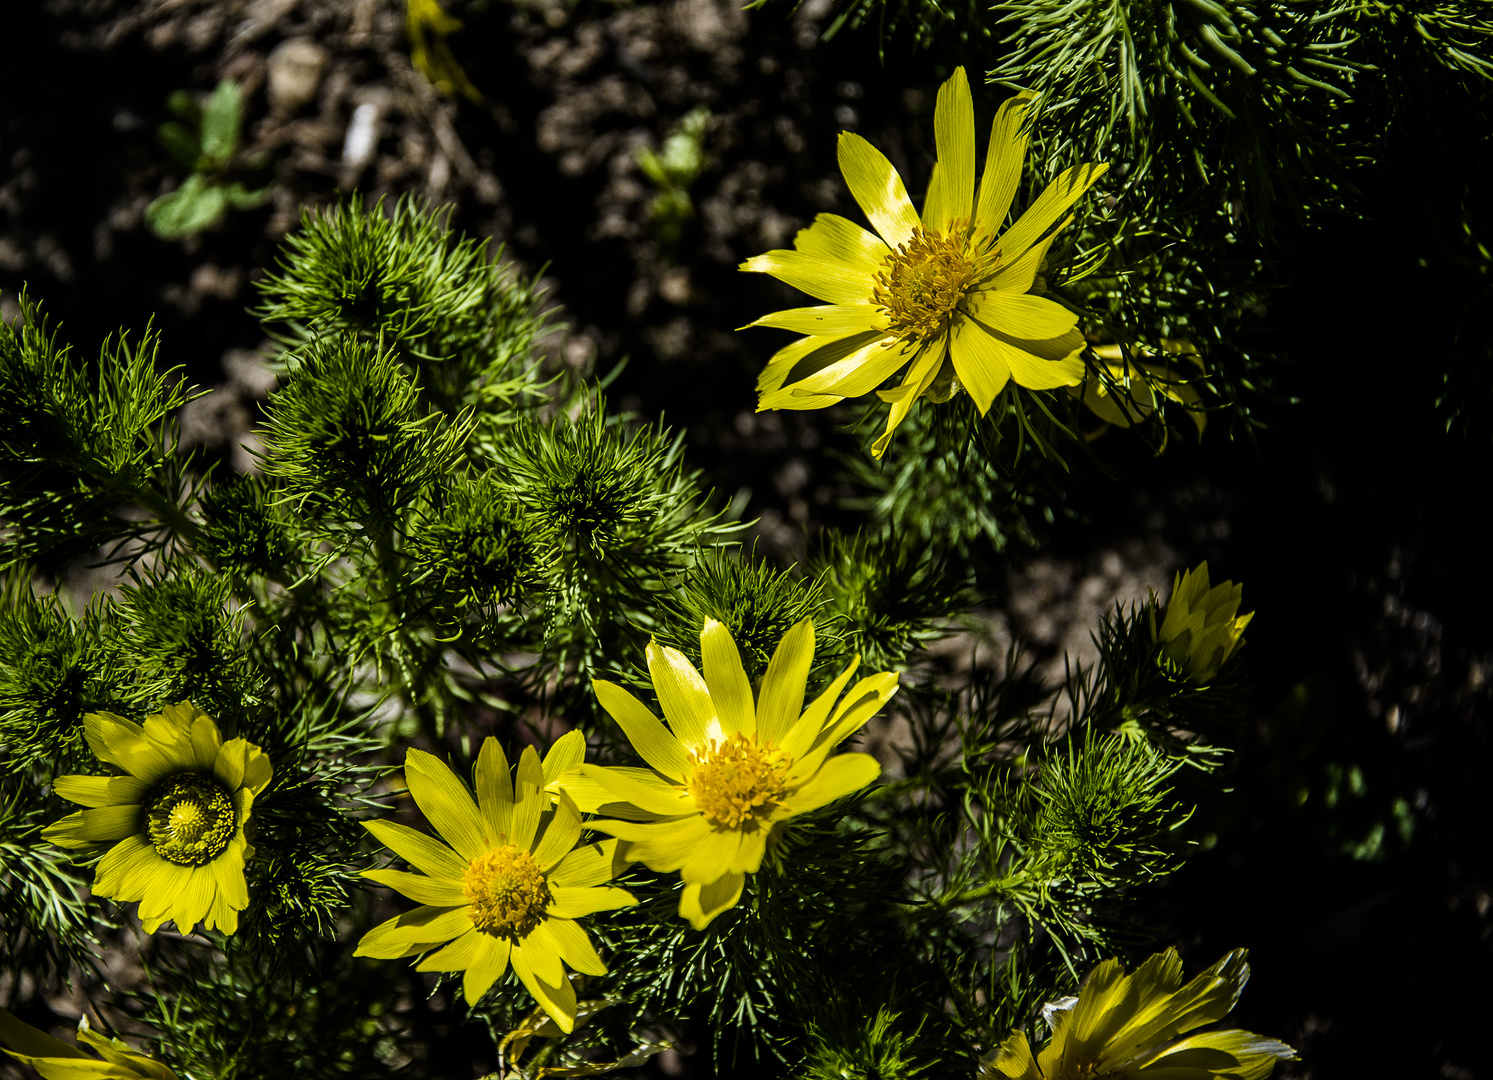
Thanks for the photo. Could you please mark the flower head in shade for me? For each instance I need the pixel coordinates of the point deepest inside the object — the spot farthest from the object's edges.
(1133, 1026)
(950, 294)
(1201, 627)
(729, 769)
(508, 883)
(54, 1059)
(173, 823)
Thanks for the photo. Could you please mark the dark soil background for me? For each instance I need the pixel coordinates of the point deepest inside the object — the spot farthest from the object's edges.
(1352, 851)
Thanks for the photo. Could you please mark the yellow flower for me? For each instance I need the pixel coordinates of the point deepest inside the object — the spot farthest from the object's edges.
(427, 26)
(509, 886)
(947, 292)
(1142, 384)
(56, 1060)
(1201, 628)
(727, 771)
(175, 820)
(1129, 1026)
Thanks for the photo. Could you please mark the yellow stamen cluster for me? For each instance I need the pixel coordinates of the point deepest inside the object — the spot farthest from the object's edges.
(190, 819)
(921, 283)
(736, 781)
(507, 892)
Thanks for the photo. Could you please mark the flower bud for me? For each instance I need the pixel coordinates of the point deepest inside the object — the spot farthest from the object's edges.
(1201, 626)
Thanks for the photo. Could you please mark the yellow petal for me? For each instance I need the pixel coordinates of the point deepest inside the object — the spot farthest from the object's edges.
(795, 400)
(840, 240)
(24, 1039)
(1022, 315)
(423, 852)
(257, 768)
(977, 362)
(700, 904)
(228, 875)
(540, 954)
(1019, 274)
(574, 946)
(425, 927)
(457, 956)
(589, 866)
(494, 789)
(730, 692)
(802, 358)
(1131, 401)
(559, 835)
(446, 804)
(1003, 160)
(878, 189)
(933, 198)
(557, 1000)
(830, 281)
(864, 701)
(854, 374)
(117, 1053)
(836, 778)
(194, 899)
(1041, 365)
(653, 742)
(1163, 1008)
(711, 857)
(682, 695)
(100, 790)
(585, 791)
(158, 885)
(89, 828)
(809, 726)
(1236, 1055)
(439, 892)
(123, 743)
(120, 864)
(242, 765)
(566, 754)
(1078, 1033)
(170, 731)
(924, 370)
(661, 845)
(573, 903)
(651, 794)
(381, 942)
(826, 320)
(954, 138)
(749, 857)
(486, 967)
(1013, 1059)
(205, 742)
(529, 799)
(782, 697)
(1052, 204)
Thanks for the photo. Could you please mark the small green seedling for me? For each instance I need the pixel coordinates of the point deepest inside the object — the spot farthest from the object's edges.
(673, 171)
(204, 138)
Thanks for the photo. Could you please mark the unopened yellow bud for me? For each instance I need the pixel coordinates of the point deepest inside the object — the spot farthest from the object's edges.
(1201, 626)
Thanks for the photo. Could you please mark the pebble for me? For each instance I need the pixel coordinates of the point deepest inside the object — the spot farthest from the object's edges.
(295, 70)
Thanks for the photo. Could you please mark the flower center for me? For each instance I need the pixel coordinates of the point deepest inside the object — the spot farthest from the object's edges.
(921, 283)
(189, 819)
(737, 781)
(507, 891)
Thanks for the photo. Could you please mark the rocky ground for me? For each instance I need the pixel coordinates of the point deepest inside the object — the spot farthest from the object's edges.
(1358, 871)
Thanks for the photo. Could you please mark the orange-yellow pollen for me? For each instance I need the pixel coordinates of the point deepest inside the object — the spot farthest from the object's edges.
(920, 285)
(507, 892)
(736, 782)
